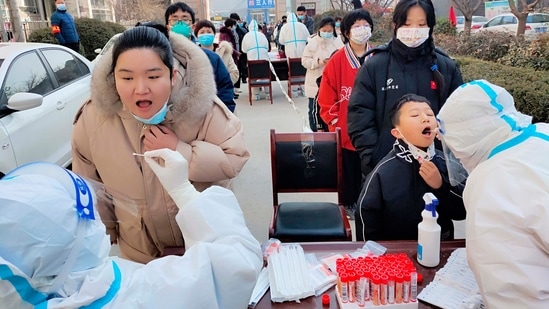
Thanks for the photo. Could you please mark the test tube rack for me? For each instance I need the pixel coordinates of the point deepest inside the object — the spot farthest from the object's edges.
(382, 281)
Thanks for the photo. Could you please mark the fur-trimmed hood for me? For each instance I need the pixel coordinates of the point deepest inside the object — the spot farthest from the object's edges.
(192, 96)
(224, 48)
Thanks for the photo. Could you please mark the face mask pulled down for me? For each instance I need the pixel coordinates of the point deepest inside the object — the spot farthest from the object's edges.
(419, 154)
(156, 118)
(412, 37)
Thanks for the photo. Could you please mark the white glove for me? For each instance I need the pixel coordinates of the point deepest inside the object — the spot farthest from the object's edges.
(174, 175)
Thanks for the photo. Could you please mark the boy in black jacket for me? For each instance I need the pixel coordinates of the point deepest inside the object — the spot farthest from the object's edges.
(391, 200)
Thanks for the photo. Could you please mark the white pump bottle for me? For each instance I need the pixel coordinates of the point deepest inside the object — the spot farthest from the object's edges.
(428, 241)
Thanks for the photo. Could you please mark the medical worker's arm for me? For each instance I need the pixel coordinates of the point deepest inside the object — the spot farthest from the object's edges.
(222, 258)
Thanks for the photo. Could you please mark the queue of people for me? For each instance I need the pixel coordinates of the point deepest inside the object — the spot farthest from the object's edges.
(409, 126)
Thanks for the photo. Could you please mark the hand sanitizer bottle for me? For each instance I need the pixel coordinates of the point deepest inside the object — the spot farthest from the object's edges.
(428, 241)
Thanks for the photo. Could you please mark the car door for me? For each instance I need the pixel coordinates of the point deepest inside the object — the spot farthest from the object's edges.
(73, 79)
(35, 134)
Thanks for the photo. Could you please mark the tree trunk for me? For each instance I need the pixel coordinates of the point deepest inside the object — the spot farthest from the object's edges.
(15, 19)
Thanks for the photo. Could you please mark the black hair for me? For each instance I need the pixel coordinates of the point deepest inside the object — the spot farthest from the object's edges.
(144, 37)
(337, 18)
(229, 22)
(356, 4)
(234, 16)
(394, 112)
(204, 23)
(155, 25)
(349, 20)
(284, 17)
(327, 20)
(301, 8)
(172, 9)
(400, 15)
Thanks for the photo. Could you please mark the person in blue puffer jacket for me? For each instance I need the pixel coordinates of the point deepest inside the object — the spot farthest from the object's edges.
(64, 28)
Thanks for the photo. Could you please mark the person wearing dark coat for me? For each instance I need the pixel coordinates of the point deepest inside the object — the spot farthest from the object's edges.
(407, 64)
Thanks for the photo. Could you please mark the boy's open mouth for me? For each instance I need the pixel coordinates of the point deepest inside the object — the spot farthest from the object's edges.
(427, 132)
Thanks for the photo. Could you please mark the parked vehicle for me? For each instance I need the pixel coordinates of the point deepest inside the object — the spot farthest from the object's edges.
(477, 22)
(43, 87)
(535, 23)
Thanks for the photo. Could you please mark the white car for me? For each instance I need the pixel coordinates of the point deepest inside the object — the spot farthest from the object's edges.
(43, 87)
(477, 22)
(508, 23)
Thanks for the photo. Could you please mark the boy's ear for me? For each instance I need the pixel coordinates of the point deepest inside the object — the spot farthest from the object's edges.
(396, 133)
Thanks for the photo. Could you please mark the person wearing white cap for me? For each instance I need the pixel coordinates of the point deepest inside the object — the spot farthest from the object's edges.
(506, 194)
(54, 249)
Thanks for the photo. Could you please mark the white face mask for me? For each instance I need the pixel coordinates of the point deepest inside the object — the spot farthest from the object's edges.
(361, 35)
(412, 37)
(418, 154)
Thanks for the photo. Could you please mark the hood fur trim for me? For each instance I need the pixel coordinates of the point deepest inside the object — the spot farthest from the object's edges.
(192, 95)
(224, 48)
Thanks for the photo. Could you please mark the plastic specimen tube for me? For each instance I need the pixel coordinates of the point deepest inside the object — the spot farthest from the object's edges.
(413, 286)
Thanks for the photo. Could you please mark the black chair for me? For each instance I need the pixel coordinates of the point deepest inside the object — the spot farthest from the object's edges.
(307, 163)
(296, 74)
(259, 75)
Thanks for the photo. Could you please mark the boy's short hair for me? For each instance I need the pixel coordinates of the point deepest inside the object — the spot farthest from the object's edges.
(172, 9)
(394, 112)
(234, 16)
(301, 8)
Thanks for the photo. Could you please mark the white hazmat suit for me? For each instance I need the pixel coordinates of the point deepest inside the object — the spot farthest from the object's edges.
(47, 231)
(255, 43)
(293, 35)
(506, 194)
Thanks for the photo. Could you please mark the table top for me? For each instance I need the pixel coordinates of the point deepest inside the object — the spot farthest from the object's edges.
(325, 248)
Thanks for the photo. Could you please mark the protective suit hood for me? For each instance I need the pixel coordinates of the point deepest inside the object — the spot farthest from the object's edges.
(477, 117)
(253, 26)
(292, 18)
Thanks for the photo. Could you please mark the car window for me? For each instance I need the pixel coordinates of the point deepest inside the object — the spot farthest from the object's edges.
(494, 22)
(64, 65)
(460, 20)
(508, 20)
(26, 74)
(479, 19)
(540, 18)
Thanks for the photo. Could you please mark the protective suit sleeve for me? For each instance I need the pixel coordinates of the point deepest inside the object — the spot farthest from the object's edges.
(361, 117)
(369, 219)
(507, 227)
(174, 174)
(220, 265)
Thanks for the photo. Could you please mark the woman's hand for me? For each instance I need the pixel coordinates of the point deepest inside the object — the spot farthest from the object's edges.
(158, 137)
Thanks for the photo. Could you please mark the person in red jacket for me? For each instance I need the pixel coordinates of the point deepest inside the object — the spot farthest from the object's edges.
(335, 89)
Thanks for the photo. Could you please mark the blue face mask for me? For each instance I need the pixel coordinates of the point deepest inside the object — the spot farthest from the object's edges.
(301, 17)
(182, 28)
(156, 118)
(61, 7)
(240, 24)
(206, 39)
(338, 24)
(326, 35)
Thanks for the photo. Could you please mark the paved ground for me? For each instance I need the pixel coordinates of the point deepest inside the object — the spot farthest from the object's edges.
(253, 186)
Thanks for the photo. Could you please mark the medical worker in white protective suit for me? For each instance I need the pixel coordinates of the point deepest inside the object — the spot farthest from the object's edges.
(255, 43)
(293, 35)
(506, 194)
(54, 250)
